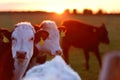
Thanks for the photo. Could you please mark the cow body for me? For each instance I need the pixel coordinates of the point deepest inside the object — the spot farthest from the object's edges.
(83, 36)
(55, 69)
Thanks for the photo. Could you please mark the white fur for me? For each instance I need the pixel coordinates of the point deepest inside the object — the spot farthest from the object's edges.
(21, 35)
(56, 69)
(52, 43)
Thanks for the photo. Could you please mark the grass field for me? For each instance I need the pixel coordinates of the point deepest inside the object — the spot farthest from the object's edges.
(77, 60)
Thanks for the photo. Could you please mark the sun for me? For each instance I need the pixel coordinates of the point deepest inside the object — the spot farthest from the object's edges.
(55, 9)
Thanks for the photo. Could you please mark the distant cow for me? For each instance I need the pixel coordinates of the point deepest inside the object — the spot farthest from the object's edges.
(81, 35)
(111, 66)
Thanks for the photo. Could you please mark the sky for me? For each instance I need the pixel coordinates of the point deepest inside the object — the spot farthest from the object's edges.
(60, 5)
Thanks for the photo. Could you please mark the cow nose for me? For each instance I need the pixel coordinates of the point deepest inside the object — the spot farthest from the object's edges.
(21, 54)
(59, 52)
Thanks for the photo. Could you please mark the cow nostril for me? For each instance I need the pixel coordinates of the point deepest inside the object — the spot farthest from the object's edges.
(21, 54)
(59, 52)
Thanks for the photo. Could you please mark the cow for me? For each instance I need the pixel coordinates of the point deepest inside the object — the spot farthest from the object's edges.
(6, 60)
(7, 42)
(49, 46)
(111, 66)
(23, 39)
(84, 36)
(55, 69)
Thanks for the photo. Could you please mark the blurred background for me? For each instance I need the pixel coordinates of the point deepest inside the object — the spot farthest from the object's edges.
(92, 12)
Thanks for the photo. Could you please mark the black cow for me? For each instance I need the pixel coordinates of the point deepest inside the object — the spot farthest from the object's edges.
(85, 36)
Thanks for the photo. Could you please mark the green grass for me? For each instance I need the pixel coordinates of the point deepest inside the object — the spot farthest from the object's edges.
(77, 60)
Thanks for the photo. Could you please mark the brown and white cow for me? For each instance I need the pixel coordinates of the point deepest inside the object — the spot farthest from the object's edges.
(23, 39)
(52, 44)
(13, 55)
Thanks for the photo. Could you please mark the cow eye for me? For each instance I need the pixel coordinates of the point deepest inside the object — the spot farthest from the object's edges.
(31, 39)
(13, 38)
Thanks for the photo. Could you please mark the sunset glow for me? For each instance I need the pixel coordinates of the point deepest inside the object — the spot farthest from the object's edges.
(60, 5)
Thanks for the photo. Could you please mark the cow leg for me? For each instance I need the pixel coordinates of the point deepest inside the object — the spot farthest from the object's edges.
(97, 54)
(87, 59)
(66, 54)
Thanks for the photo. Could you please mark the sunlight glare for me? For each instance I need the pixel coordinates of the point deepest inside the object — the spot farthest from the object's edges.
(59, 6)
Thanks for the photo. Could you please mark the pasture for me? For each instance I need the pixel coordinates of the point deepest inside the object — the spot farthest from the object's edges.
(77, 60)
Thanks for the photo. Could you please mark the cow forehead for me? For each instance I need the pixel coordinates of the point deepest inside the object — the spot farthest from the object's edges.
(24, 26)
(23, 30)
(49, 25)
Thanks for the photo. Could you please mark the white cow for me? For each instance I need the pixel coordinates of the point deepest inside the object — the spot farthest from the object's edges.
(23, 37)
(56, 69)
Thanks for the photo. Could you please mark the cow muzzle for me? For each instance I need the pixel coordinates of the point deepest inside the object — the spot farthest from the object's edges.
(59, 52)
(21, 54)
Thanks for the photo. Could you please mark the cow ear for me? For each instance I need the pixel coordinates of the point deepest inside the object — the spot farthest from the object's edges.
(41, 35)
(5, 39)
(36, 27)
(62, 31)
(6, 35)
(62, 28)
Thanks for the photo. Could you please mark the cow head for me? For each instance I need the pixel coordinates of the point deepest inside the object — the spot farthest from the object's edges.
(103, 34)
(22, 41)
(51, 44)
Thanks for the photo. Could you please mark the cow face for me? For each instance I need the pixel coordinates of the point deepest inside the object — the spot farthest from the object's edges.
(51, 44)
(103, 34)
(22, 41)
(22, 47)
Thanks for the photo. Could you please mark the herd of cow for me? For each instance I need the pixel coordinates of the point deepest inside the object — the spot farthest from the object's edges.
(27, 45)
